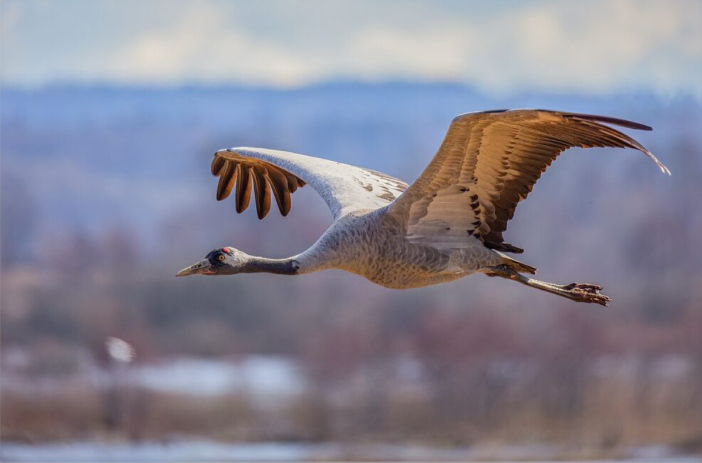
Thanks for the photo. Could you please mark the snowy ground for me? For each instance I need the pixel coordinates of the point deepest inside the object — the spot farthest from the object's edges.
(214, 451)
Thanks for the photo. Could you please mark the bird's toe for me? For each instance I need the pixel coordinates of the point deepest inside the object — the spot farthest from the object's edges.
(587, 287)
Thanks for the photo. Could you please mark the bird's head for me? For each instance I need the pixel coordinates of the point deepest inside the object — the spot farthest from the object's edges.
(222, 261)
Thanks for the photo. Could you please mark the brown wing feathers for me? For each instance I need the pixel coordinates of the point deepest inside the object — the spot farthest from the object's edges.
(243, 187)
(263, 193)
(537, 145)
(266, 179)
(279, 184)
(497, 157)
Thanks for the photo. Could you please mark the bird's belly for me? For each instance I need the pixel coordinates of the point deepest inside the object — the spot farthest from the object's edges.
(407, 266)
(408, 281)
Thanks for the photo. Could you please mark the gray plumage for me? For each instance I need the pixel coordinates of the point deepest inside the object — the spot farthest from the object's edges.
(446, 225)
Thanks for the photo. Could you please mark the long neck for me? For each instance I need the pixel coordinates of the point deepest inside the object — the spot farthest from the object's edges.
(312, 260)
(288, 266)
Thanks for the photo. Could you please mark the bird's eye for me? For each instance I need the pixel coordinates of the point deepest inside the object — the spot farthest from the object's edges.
(221, 257)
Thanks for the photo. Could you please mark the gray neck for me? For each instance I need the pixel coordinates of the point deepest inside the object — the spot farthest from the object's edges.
(313, 260)
(288, 266)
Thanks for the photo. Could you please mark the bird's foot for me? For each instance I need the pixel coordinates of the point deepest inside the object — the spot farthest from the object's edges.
(585, 292)
(579, 292)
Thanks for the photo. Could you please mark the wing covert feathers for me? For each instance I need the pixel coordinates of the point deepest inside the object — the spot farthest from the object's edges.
(488, 163)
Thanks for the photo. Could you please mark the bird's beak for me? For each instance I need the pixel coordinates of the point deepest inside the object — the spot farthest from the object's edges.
(201, 267)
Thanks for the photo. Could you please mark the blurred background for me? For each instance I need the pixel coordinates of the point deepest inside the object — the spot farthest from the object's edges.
(110, 113)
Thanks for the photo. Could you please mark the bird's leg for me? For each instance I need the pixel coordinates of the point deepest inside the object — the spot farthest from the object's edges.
(579, 292)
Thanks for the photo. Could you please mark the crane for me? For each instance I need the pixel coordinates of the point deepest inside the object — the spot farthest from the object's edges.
(447, 224)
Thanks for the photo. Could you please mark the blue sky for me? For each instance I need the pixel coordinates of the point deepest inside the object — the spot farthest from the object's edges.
(593, 47)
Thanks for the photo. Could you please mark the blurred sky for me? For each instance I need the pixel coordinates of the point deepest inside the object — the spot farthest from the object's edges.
(593, 47)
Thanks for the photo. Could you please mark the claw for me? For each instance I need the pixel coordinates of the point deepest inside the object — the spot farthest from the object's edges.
(583, 286)
(596, 298)
(586, 292)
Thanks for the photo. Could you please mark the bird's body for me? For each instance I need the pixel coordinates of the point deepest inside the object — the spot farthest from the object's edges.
(372, 244)
(444, 226)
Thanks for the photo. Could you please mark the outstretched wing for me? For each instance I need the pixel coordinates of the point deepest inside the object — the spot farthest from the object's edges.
(488, 163)
(345, 188)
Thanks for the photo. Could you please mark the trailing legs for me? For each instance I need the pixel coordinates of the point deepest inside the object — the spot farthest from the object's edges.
(579, 292)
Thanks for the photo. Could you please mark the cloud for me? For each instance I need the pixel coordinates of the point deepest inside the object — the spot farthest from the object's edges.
(590, 47)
